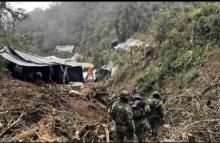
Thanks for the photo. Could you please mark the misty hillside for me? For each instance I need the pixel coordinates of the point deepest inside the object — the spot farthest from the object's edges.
(178, 56)
(91, 26)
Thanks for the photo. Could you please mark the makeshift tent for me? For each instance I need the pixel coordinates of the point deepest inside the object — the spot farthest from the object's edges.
(114, 43)
(58, 71)
(129, 43)
(70, 62)
(108, 67)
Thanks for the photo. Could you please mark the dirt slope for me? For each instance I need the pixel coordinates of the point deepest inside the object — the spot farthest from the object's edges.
(194, 114)
(50, 108)
(209, 79)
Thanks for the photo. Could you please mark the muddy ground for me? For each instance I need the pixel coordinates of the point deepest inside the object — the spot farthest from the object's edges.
(47, 113)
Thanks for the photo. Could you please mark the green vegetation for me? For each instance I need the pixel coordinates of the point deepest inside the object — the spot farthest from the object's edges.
(90, 26)
(182, 33)
(8, 37)
(188, 77)
(3, 69)
(18, 42)
(183, 41)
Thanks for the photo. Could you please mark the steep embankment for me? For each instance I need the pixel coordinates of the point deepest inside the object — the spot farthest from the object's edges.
(173, 54)
(183, 64)
(194, 113)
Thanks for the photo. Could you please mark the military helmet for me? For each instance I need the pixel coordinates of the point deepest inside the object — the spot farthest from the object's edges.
(124, 94)
(137, 97)
(156, 95)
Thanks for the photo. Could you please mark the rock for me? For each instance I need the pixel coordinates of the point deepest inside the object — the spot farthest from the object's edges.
(46, 138)
(167, 126)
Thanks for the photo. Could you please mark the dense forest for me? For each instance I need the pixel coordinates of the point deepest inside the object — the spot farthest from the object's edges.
(91, 26)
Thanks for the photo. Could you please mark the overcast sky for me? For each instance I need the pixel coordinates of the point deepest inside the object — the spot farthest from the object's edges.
(29, 6)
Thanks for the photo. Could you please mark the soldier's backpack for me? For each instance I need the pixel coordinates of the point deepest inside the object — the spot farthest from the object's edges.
(156, 108)
(121, 113)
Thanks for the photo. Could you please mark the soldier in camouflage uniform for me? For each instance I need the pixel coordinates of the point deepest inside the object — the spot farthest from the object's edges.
(140, 116)
(122, 114)
(156, 112)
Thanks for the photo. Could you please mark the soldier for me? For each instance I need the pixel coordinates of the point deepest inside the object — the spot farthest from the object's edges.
(156, 113)
(133, 93)
(140, 116)
(38, 78)
(122, 115)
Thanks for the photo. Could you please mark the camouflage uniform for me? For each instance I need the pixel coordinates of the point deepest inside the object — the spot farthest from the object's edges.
(123, 116)
(140, 116)
(156, 113)
(133, 98)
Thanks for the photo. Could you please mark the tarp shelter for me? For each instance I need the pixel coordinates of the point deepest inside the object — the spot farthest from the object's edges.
(70, 62)
(65, 48)
(129, 43)
(107, 69)
(56, 69)
(114, 43)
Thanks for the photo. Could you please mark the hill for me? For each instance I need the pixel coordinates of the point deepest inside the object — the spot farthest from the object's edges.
(183, 66)
(179, 57)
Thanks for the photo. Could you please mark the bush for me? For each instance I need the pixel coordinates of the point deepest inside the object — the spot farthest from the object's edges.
(188, 77)
(3, 68)
(17, 42)
(183, 41)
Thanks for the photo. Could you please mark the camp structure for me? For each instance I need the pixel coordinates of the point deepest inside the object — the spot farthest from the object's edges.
(127, 45)
(52, 69)
(64, 48)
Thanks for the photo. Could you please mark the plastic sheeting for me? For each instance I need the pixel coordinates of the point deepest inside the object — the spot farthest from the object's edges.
(33, 58)
(6, 54)
(24, 59)
(128, 44)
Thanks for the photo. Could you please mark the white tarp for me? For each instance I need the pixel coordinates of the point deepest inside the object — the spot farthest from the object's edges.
(65, 48)
(70, 62)
(25, 59)
(128, 44)
(110, 67)
(22, 60)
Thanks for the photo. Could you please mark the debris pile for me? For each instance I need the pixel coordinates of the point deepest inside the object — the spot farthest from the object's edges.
(54, 112)
(49, 113)
(194, 115)
(189, 117)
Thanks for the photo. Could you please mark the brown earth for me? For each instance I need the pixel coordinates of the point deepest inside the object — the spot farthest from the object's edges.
(209, 78)
(58, 116)
(171, 85)
(18, 92)
(28, 105)
(194, 114)
(88, 110)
